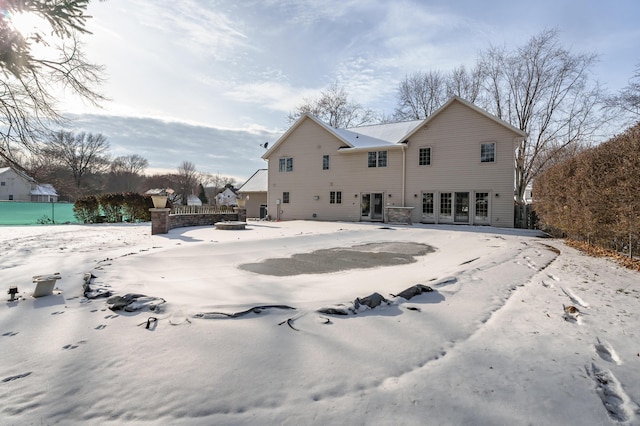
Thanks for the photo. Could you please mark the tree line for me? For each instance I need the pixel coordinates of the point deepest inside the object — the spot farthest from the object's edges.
(80, 164)
(593, 195)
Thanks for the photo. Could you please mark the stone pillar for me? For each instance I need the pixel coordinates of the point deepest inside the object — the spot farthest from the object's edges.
(242, 214)
(159, 221)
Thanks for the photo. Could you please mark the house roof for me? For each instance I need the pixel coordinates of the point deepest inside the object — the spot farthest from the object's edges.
(388, 134)
(474, 107)
(256, 183)
(391, 132)
(44, 189)
(18, 172)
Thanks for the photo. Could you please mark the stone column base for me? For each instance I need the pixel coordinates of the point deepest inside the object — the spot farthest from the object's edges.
(159, 221)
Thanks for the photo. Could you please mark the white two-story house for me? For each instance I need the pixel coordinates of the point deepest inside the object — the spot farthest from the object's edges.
(456, 166)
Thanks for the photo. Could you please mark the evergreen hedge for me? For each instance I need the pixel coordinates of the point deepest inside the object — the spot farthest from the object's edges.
(113, 208)
(594, 196)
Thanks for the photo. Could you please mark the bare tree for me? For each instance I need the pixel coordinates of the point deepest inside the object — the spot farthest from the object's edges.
(28, 105)
(188, 179)
(465, 84)
(420, 94)
(334, 108)
(213, 184)
(81, 154)
(126, 172)
(627, 100)
(544, 90)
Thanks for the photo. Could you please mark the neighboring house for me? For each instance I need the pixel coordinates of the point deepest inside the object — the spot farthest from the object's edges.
(227, 198)
(254, 192)
(44, 193)
(528, 193)
(193, 200)
(15, 185)
(456, 166)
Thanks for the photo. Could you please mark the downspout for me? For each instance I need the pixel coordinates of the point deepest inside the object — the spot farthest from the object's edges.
(404, 172)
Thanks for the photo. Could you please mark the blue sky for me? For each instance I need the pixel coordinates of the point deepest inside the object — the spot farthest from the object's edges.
(208, 81)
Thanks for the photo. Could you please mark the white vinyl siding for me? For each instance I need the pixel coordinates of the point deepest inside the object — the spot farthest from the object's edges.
(457, 134)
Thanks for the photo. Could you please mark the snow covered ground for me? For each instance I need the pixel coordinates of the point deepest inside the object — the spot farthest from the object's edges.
(518, 330)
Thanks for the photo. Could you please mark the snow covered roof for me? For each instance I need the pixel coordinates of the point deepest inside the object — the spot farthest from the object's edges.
(358, 140)
(159, 191)
(44, 189)
(390, 132)
(256, 183)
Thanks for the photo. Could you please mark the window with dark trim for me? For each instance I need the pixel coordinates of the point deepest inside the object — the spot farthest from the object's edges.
(372, 159)
(325, 162)
(424, 156)
(335, 197)
(285, 164)
(377, 159)
(285, 198)
(488, 152)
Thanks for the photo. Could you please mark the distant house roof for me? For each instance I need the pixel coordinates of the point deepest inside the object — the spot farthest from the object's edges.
(159, 191)
(44, 189)
(256, 183)
(193, 200)
(18, 172)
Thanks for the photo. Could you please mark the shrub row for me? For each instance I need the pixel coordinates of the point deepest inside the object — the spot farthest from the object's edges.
(593, 196)
(113, 208)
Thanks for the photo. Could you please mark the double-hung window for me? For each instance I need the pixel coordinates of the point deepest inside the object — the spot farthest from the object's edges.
(335, 197)
(285, 164)
(377, 159)
(488, 152)
(424, 156)
(325, 162)
(285, 197)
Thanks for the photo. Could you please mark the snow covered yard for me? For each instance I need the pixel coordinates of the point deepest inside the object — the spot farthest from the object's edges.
(518, 330)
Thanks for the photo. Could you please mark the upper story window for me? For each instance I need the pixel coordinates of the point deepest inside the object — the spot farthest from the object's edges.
(424, 156)
(377, 159)
(488, 152)
(325, 162)
(286, 164)
(3, 183)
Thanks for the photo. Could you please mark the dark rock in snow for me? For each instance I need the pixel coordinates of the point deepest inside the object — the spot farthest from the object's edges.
(133, 302)
(371, 301)
(413, 291)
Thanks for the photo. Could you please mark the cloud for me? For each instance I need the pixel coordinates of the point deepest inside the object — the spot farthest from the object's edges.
(165, 144)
